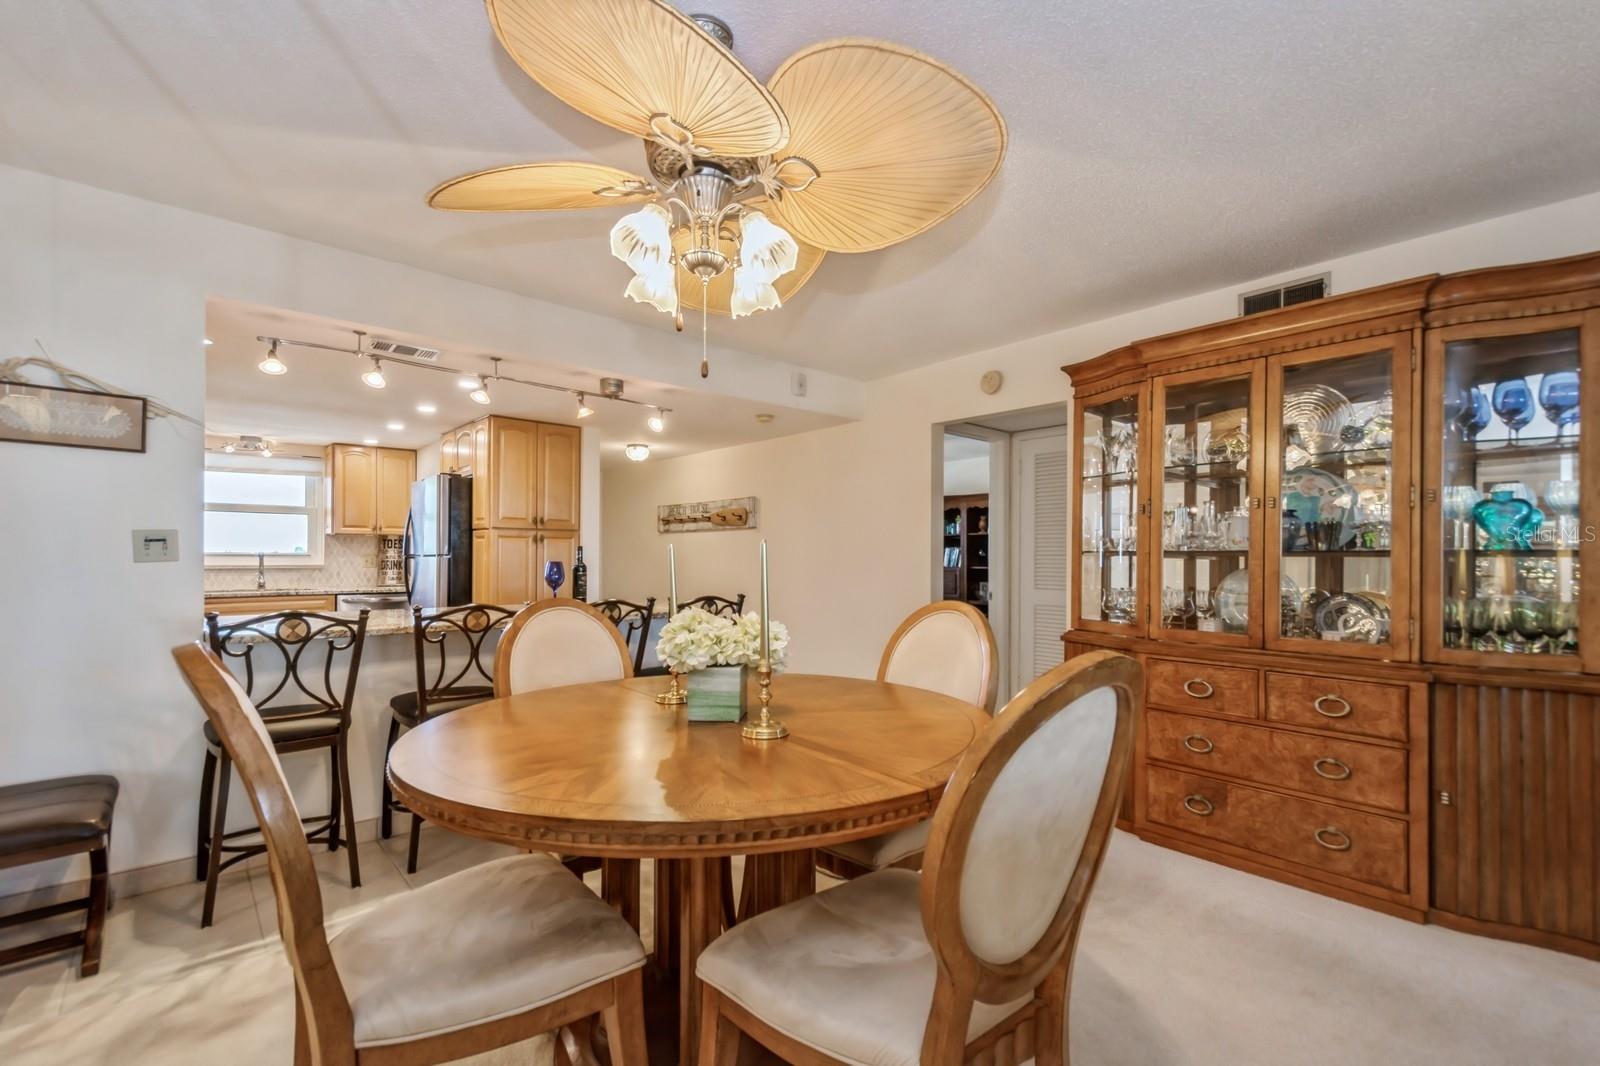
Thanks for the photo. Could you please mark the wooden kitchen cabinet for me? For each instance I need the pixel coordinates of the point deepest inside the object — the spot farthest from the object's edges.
(555, 547)
(558, 473)
(447, 453)
(482, 579)
(511, 566)
(369, 489)
(480, 485)
(513, 473)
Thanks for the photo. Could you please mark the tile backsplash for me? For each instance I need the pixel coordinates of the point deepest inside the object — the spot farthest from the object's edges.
(349, 562)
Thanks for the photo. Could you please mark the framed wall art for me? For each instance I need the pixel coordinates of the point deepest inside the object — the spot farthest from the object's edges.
(71, 418)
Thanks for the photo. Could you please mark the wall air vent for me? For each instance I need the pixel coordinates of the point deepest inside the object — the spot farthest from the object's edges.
(1295, 292)
(403, 351)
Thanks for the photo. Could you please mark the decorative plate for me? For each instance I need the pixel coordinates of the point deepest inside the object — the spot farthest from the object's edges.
(1354, 617)
(1315, 494)
(1318, 414)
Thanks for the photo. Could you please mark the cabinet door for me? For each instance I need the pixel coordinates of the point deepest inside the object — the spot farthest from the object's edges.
(556, 548)
(1111, 512)
(447, 453)
(514, 565)
(480, 479)
(482, 568)
(1506, 530)
(513, 473)
(1206, 450)
(465, 455)
(397, 469)
(1340, 498)
(352, 489)
(559, 448)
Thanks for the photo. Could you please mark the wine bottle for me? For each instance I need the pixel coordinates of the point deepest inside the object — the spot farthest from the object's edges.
(580, 578)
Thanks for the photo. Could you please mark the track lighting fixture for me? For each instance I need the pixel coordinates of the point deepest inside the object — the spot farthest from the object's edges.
(584, 410)
(272, 364)
(374, 379)
(480, 394)
(657, 421)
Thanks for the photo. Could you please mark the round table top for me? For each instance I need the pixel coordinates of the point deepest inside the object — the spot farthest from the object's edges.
(602, 769)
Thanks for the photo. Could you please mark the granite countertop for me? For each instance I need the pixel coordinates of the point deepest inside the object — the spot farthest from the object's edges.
(250, 594)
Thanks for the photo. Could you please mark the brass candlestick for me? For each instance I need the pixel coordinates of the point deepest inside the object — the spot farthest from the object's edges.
(765, 727)
(674, 695)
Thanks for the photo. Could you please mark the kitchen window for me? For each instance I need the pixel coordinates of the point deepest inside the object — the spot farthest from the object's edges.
(268, 506)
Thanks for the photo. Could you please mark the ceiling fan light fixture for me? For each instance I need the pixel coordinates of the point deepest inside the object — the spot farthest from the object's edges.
(766, 251)
(751, 294)
(374, 379)
(637, 452)
(658, 288)
(272, 364)
(643, 240)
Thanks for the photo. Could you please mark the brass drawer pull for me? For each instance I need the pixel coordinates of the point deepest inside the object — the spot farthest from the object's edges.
(1332, 769)
(1198, 804)
(1333, 838)
(1198, 688)
(1198, 744)
(1332, 698)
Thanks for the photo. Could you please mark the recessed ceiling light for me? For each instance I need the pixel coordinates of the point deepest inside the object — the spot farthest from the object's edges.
(370, 440)
(207, 341)
(426, 408)
(397, 426)
(764, 417)
(637, 452)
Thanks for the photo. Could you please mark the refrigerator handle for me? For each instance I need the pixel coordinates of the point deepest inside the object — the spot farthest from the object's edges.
(406, 559)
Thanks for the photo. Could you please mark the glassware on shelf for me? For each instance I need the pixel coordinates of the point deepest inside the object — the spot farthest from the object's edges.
(1456, 506)
(1293, 529)
(1561, 497)
(1529, 617)
(1236, 529)
(1118, 604)
(1121, 448)
(1205, 612)
(1094, 456)
(1561, 627)
(1513, 402)
(1180, 447)
(1454, 625)
(1509, 520)
(1558, 395)
(1478, 620)
(1472, 413)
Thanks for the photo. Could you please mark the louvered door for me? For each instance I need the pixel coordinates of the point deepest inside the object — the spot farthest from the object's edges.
(1041, 463)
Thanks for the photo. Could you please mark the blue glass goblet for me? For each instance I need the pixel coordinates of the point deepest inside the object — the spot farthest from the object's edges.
(1558, 395)
(1474, 416)
(554, 575)
(1513, 402)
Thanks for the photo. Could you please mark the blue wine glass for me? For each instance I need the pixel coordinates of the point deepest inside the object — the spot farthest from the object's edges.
(1558, 395)
(554, 575)
(1513, 402)
(1474, 417)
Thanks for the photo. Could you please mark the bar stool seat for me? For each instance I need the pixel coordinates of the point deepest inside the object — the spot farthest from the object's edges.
(40, 815)
(404, 706)
(285, 726)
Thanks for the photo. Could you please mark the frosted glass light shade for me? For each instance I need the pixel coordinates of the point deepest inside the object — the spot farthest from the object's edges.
(751, 294)
(766, 251)
(658, 288)
(643, 239)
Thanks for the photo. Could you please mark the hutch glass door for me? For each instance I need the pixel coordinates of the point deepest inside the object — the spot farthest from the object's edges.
(1205, 587)
(1510, 534)
(1108, 512)
(1339, 495)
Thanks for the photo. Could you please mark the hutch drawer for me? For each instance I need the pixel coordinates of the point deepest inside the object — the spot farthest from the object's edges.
(1363, 847)
(1333, 703)
(1323, 766)
(1184, 686)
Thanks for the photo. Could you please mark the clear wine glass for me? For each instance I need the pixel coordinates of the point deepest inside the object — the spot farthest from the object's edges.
(555, 574)
(1479, 623)
(1453, 612)
(1529, 617)
(1558, 395)
(1559, 622)
(1513, 402)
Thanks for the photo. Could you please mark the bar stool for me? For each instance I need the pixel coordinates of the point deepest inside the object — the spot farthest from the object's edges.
(43, 820)
(304, 709)
(733, 608)
(631, 619)
(439, 690)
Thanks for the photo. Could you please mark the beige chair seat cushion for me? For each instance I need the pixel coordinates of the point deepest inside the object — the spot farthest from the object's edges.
(886, 849)
(848, 971)
(485, 943)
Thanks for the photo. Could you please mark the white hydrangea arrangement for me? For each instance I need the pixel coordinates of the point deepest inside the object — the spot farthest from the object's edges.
(694, 639)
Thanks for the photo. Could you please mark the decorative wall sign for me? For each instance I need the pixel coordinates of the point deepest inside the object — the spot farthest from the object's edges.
(709, 515)
(71, 418)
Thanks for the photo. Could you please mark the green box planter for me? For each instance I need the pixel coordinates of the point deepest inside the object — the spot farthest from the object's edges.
(716, 693)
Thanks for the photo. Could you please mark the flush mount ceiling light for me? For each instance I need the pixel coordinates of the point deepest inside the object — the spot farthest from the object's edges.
(272, 364)
(637, 452)
(854, 145)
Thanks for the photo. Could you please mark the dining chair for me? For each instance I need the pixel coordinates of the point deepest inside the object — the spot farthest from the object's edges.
(305, 708)
(733, 608)
(632, 621)
(443, 685)
(970, 960)
(946, 647)
(529, 948)
(567, 642)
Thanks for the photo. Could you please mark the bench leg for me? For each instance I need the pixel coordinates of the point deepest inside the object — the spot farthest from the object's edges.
(94, 928)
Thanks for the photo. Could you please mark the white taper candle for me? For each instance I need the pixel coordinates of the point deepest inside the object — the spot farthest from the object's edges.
(766, 617)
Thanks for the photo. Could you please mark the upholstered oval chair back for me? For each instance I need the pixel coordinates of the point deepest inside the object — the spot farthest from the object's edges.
(946, 647)
(559, 642)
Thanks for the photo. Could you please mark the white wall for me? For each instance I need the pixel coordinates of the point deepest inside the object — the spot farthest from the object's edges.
(117, 287)
(848, 511)
(966, 477)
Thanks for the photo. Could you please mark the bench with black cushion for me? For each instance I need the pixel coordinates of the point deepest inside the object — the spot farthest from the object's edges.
(42, 820)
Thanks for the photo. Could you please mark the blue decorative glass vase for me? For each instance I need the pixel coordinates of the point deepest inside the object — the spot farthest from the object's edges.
(1510, 522)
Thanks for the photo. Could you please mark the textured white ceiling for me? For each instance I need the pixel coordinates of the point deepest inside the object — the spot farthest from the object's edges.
(1157, 149)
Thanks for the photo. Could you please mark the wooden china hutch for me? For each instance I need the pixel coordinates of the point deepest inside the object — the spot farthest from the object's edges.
(1347, 540)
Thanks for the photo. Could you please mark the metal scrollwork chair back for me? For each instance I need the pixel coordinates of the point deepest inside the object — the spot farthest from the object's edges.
(286, 639)
(733, 608)
(631, 619)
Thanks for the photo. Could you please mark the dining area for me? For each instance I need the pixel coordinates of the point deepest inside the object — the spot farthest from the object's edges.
(538, 729)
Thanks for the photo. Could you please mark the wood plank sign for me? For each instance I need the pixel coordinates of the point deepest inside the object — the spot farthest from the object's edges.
(707, 516)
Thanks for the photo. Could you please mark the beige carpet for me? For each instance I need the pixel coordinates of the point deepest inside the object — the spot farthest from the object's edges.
(1182, 962)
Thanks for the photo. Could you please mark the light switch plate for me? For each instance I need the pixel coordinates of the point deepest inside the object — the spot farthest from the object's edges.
(155, 545)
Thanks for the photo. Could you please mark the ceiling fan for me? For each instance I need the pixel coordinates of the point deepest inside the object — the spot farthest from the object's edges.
(852, 146)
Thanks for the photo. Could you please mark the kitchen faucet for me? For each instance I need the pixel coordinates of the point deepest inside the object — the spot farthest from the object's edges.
(261, 571)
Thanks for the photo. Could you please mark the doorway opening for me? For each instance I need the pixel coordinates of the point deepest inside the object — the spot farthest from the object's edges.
(1001, 543)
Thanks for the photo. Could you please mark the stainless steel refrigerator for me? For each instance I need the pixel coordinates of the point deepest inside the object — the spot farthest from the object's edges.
(438, 544)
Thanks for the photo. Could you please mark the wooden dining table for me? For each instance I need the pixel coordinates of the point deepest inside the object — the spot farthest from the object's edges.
(604, 770)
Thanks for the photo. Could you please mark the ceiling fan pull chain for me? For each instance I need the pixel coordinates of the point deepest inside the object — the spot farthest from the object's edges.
(705, 302)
